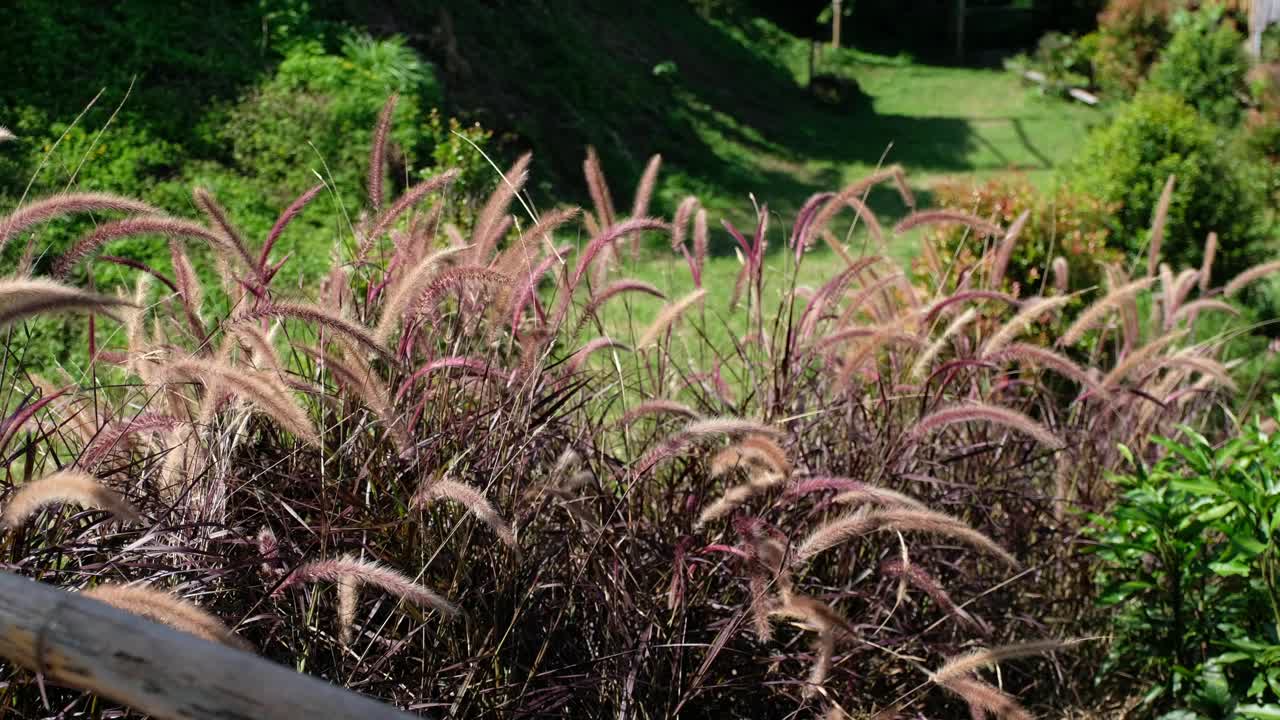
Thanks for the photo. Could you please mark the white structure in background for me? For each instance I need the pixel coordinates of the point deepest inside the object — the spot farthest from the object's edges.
(1262, 13)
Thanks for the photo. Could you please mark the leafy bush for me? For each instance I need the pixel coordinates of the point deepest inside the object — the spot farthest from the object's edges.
(1063, 223)
(1131, 34)
(331, 101)
(1188, 563)
(1128, 162)
(1205, 65)
(1064, 62)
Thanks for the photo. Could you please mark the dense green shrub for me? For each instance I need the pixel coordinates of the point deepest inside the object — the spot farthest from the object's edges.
(1062, 223)
(1064, 61)
(321, 106)
(1158, 135)
(1130, 36)
(1188, 561)
(1205, 65)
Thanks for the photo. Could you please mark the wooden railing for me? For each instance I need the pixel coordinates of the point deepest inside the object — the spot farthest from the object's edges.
(82, 643)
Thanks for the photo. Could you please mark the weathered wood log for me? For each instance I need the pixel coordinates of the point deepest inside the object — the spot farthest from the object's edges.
(82, 643)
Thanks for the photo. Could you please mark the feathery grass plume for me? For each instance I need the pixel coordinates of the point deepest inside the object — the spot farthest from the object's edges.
(317, 315)
(1256, 272)
(262, 352)
(598, 188)
(898, 519)
(469, 497)
(348, 599)
(367, 573)
(6, 135)
(358, 377)
(1157, 226)
(459, 278)
(378, 152)
(726, 425)
(473, 367)
(408, 199)
(858, 355)
(139, 265)
(699, 430)
(701, 240)
(862, 493)
(610, 234)
(1061, 275)
(521, 258)
(526, 289)
(1195, 307)
(1099, 309)
(735, 496)
(984, 698)
(1166, 301)
(947, 217)
(965, 296)
(680, 223)
(656, 407)
(264, 390)
(167, 609)
(80, 414)
(42, 211)
(1032, 310)
(822, 483)
(282, 222)
(1140, 357)
(925, 361)
(752, 450)
(117, 433)
(818, 210)
(670, 313)
(644, 190)
(1044, 357)
(826, 622)
(407, 291)
(1206, 265)
(579, 356)
(231, 237)
(130, 227)
(1207, 367)
(917, 577)
(833, 288)
(611, 291)
(765, 566)
(981, 412)
(876, 286)
(12, 425)
(847, 197)
(66, 486)
(190, 293)
(490, 223)
(21, 298)
(963, 665)
(1175, 298)
(1005, 250)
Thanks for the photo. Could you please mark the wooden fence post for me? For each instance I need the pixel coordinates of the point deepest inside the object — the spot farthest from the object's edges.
(82, 643)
